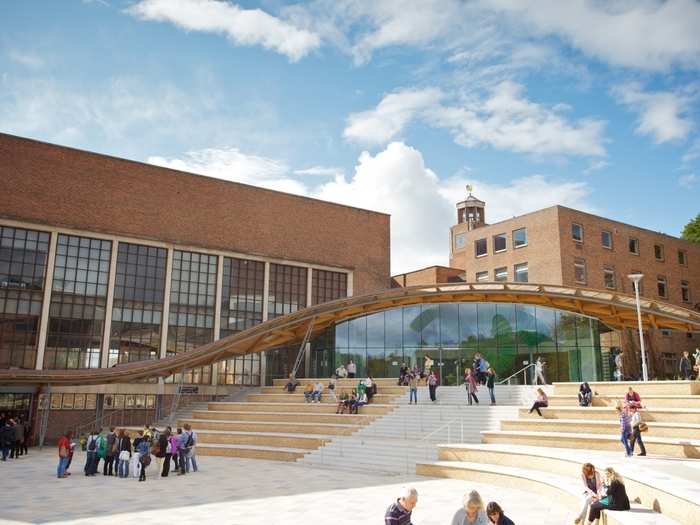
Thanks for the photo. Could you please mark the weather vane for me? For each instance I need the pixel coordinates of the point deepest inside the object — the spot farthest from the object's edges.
(470, 188)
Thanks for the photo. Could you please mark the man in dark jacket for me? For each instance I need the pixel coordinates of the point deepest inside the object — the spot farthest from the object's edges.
(684, 366)
(399, 513)
(111, 452)
(7, 438)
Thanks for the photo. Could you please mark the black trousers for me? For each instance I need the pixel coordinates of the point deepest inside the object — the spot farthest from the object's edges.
(166, 466)
(637, 438)
(142, 477)
(472, 395)
(595, 510)
(432, 389)
(108, 468)
(17, 448)
(536, 406)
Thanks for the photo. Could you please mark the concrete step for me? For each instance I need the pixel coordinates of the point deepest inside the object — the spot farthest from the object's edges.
(675, 498)
(381, 381)
(251, 452)
(670, 430)
(299, 398)
(382, 389)
(654, 401)
(669, 447)
(619, 388)
(290, 417)
(300, 407)
(564, 490)
(202, 425)
(268, 439)
(661, 415)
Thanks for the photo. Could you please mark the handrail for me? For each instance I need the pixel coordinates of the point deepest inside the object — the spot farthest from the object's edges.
(446, 425)
(523, 369)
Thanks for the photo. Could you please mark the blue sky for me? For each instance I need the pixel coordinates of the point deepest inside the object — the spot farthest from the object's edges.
(594, 105)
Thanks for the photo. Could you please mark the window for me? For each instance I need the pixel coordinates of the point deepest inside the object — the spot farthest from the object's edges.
(482, 276)
(499, 243)
(682, 258)
(609, 278)
(659, 252)
(579, 270)
(685, 291)
(480, 247)
(633, 245)
(577, 232)
(520, 238)
(328, 286)
(287, 292)
(661, 287)
(606, 239)
(500, 274)
(520, 271)
(459, 241)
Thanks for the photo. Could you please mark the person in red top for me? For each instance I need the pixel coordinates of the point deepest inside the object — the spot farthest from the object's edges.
(63, 453)
(632, 399)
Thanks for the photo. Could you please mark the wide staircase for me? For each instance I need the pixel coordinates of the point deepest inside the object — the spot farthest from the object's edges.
(275, 425)
(544, 455)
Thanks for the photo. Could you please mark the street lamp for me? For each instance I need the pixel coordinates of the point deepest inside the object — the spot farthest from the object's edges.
(636, 277)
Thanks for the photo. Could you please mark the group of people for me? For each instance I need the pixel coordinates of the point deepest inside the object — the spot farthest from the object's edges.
(15, 435)
(688, 367)
(349, 403)
(120, 454)
(472, 512)
(601, 493)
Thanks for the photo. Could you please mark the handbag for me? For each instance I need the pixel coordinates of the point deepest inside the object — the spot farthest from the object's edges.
(643, 427)
(63, 452)
(124, 455)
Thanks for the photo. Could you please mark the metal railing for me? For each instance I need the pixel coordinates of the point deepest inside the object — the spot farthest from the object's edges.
(523, 370)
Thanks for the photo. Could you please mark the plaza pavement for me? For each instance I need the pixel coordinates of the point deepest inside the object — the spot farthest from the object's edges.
(239, 492)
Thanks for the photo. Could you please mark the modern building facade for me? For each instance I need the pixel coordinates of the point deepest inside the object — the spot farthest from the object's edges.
(563, 246)
(105, 261)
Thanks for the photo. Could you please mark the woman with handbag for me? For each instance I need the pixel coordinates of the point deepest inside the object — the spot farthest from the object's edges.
(638, 426)
(124, 454)
(63, 452)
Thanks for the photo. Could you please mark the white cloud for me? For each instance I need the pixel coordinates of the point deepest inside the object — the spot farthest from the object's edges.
(662, 114)
(25, 58)
(688, 181)
(394, 181)
(692, 153)
(643, 34)
(505, 120)
(391, 116)
(596, 165)
(320, 171)
(244, 27)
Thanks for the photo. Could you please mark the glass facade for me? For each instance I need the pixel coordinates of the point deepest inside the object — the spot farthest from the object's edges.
(287, 290)
(328, 286)
(508, 335)
(23, 258)
(78, 302)
(137, 309)
(192, 298)
(242, 299)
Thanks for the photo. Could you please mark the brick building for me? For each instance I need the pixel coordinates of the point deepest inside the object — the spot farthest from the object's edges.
(563, 246)
(105, 260)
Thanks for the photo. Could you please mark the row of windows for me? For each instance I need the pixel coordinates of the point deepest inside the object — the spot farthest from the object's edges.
(70, 401)
(499, 242)
(520, 274)
(606, 240)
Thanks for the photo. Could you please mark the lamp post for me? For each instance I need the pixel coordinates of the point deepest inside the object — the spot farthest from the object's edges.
(636, 277)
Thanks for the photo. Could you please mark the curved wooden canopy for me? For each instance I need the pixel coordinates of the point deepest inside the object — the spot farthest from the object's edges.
(613, 309)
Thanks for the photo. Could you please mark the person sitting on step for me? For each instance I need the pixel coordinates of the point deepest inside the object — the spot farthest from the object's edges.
(632, 399)
(616, 498)
(308, 391)
(495, 514)
(331, 387)
(359, 403)
(316, 393)
(292, 384)
(370, 387)
(592, 489)
(472, 511)
(585, 395)
(342, 403)
(541, 401)
(350, 401)
(341, 372)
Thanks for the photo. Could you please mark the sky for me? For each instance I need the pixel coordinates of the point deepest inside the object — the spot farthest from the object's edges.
(388, 105)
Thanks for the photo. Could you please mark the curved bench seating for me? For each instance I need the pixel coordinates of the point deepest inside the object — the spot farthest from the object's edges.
(667, 430)
(656, 401)
(644, 481)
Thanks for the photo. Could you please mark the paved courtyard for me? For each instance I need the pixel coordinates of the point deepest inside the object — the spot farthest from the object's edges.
(238, 492)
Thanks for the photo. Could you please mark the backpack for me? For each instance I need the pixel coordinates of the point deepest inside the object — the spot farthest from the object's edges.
(190, 441)
(92, 444)
(145, 460)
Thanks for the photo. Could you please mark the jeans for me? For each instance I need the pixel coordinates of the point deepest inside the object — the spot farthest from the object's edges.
(62, 466)
(308, 396)
(191, 458)
(316, 395)
(493, 396)
(182, 457)
(624, 437)
(432, 389)
(637, 438)
(89, 461)
(123, 469)
(5, 452)
(413, 395)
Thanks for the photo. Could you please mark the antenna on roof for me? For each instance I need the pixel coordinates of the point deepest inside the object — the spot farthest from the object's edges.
(470, 188)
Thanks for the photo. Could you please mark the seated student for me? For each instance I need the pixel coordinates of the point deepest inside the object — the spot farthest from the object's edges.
(370, 387)
(632, 399)
(342, 403)
(341, 372)
(585, 395)
(350, 401)
(292, 384)
(331, 387)
(316, 393)
(495, 514)
(472, 511)
(615, 500)
(592, 489)
(359, 403)
(402, 374)
(308, 392)
(540, 402)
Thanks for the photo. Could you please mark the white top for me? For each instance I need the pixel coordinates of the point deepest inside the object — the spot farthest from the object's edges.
(368, 383)
(362, 398)
(318, 387)
(352, 368)
(538, 366)
(341, 371)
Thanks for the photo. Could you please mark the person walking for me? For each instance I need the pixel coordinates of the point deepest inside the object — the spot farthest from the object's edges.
(619, 366)
(7, 438)
(637, 426)
(541, 401)
(684, 366)
(471, 386)
(19, 437)
(625, 427)
(539, 371)
(63, 454)
(491, 383)
(399, 512)
(111, 453)
(432, 386)
(413, 388)
(191, 457)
